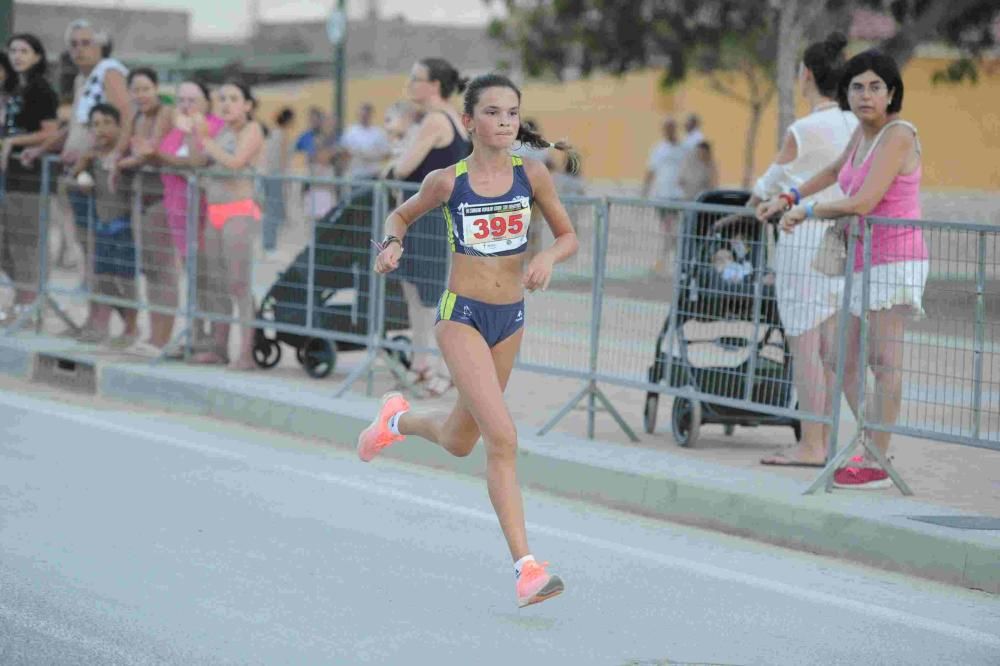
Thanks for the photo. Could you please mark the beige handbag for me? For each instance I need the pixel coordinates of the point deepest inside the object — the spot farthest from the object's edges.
(831, 257)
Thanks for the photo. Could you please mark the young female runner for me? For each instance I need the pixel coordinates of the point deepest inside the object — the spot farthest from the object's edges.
(487, 200)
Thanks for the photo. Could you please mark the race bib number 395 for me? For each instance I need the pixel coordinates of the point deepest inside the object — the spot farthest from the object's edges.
(496, 227)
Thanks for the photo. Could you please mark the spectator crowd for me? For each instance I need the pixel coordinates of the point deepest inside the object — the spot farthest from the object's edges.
(121, 206)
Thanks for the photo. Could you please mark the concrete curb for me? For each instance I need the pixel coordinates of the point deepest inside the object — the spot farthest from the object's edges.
(872, 530)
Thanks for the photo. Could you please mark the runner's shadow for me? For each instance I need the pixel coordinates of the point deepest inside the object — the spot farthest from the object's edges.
(533, 622)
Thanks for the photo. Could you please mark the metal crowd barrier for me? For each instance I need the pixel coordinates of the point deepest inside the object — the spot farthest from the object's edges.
(692, 300)
(720, 347)
(936, 369)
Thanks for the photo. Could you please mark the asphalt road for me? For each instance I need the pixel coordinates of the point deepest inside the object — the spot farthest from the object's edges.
(137, 538)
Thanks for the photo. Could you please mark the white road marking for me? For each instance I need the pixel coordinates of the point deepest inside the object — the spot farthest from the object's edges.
(108, 652)
(76, 415)
(708, 570)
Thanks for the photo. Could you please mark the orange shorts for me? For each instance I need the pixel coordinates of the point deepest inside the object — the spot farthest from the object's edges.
(219, 214)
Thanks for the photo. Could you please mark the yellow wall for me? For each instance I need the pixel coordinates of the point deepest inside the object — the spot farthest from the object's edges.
(614, 122)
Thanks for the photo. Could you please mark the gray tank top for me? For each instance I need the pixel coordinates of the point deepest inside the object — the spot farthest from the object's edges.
(227, 140)
(219, 190)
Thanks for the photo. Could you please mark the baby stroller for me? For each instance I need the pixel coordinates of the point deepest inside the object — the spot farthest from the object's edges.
(716, 341)
(340, 292)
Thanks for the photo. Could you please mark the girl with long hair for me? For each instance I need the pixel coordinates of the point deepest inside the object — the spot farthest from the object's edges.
(29, 121)
(488, 199)
(233, 219)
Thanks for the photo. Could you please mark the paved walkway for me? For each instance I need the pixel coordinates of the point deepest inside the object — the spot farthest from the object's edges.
(956, 476)
(961, 477)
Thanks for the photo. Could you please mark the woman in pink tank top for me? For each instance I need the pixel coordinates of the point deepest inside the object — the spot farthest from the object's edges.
(880, 173)
(174, 150)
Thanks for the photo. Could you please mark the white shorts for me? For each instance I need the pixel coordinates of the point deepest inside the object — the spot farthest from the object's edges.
(806, 298)
(898, 283)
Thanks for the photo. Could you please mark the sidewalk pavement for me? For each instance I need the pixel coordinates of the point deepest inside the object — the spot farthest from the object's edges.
(718, 486)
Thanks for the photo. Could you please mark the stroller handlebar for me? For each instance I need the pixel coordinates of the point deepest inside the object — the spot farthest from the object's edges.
(736, 218)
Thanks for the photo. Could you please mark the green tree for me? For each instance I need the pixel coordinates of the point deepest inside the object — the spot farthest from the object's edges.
(964, 24)
(740, 66)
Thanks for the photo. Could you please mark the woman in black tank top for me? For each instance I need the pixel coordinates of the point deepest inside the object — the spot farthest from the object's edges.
(439, 141)
(439, 158)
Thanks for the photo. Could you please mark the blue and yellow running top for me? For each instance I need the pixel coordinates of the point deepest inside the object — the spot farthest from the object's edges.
(489, 226)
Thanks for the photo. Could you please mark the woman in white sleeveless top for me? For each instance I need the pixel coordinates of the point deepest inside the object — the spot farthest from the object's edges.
(808, 300)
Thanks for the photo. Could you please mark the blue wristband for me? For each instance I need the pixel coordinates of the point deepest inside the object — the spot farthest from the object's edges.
(810, 209)
(795, 192)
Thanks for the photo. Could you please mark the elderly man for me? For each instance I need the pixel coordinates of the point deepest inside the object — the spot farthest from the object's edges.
(100, 78)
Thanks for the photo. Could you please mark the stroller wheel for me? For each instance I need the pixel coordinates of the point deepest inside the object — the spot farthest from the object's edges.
(649, 412)
(404, 357)
(685, 421)
(266, 353)
(318, 357)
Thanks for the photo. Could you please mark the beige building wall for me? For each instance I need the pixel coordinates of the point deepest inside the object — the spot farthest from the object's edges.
(388, 45)
(133, 30)
(614, 122)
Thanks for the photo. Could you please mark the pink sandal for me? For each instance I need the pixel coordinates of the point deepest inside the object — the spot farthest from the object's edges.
(210, 358)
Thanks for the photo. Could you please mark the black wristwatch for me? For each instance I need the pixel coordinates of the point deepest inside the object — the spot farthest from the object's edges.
(391, 239)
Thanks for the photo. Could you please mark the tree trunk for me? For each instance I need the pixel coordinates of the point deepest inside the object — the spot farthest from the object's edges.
(791, 31)
(800, 21)
(756, 111)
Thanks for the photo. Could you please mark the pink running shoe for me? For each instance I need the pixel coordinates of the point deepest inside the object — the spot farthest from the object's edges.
(861, 478)
(535, 584)
(377, 436)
